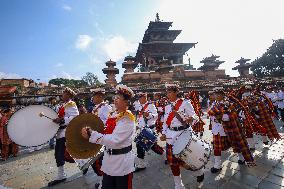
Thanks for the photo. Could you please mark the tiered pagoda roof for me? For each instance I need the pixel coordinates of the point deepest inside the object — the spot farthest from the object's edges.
(158, 43)
(243, 63)
(210, 63)
(110, 68)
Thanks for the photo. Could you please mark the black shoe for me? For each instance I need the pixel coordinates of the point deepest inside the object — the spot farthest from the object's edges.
(241, 162)
(200, 178)
(215, 170)
(97, 185)
(166, 162)
(51, 147)
(266, 143)
(55, 182)
(252, 149)
(137, 169)
(85, 171)
(201, 134)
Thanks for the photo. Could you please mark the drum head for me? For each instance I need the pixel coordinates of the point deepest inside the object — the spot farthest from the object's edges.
(27, 128)
(182, 141)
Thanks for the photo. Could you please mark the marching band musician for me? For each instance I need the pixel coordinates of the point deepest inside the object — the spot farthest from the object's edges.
(118, 159)
(66, 113)
(147, 117)
(227, 131)
(160, 104)
(102, 109)
(178, 117)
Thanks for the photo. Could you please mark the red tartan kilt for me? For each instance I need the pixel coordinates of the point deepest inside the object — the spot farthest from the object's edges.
(198, 127)
(172, 160)
(159, 126)
(221, 143)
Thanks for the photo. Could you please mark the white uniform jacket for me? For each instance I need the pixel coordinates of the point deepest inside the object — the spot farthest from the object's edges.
(121, 137)
(185, 111)
(70, 111)
(217, 127)
(102, 110)
(151, 119)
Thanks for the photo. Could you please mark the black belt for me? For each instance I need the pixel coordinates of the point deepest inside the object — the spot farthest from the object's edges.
(179, 128)
(119, 151)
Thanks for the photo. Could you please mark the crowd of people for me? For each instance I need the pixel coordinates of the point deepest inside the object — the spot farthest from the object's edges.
(235, 115)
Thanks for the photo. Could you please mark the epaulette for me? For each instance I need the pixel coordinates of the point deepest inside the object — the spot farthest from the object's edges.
(70, 104)
(127, 113)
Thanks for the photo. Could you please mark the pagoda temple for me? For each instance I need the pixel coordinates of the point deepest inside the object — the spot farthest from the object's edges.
(243, 67)
(161, 60)
(157, 44)
(110, 72)
(129, 64)
(210, 63)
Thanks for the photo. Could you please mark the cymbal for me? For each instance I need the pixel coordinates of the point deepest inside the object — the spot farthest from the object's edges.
(77, 146)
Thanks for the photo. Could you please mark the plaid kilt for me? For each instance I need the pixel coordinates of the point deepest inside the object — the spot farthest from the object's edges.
(172, 160)
(266, 121)
(198, 126)
(236, 136)
(220, 143)
(248, 130)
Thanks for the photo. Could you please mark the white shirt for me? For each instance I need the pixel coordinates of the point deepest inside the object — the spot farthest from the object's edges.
(280, 99)
(122, 136)
(185, 111)
(71, 111)
(103, 111)
(272, 96)
(217, 127)
(151, 119)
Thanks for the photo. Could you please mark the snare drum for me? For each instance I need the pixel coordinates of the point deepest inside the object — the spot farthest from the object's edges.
(146, 139)
(193, 151)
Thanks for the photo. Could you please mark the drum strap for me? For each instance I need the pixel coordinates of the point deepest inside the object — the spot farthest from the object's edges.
(172, 115)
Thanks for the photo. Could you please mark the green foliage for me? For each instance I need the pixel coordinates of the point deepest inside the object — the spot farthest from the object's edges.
(271, 63)
(88, 80)
(91, 79)
(68, 82)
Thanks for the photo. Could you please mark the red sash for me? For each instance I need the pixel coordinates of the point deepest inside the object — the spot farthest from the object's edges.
(172, 115)
(143, 110)
(61, 112)
(110, 125)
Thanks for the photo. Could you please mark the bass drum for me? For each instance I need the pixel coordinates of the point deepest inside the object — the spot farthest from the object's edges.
(193, 151)
(27, 128)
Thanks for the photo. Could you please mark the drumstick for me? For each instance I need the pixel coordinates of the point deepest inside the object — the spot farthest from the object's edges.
(41, 114)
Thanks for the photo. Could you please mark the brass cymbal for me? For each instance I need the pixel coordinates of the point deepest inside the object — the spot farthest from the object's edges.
(77, 146)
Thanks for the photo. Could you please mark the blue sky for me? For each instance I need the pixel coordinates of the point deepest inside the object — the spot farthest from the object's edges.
(45, 39)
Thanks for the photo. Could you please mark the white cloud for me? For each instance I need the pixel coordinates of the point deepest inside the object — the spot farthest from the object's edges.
(64, 75)
(59, 65)
(9, 76)
(83, 42)
(117, 47)
(67, 7)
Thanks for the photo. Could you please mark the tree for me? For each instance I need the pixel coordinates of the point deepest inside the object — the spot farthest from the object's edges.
(68, 82)
(91, 79)
(271, 63)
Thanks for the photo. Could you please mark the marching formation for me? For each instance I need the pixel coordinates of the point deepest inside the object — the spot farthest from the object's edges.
(235, 115)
